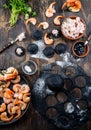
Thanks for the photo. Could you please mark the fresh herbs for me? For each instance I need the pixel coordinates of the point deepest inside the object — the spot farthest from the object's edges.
(18, 7)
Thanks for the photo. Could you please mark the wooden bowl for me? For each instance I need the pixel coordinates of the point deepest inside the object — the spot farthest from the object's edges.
(84, 54)
(80, 35)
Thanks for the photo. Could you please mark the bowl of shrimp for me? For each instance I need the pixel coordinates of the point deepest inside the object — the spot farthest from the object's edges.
(14, 96)
(73, 27)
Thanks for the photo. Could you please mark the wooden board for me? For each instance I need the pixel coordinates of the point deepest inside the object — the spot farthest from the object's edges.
(32, 119)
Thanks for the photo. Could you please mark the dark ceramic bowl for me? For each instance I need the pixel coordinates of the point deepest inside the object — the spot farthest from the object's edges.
(80, 34)
(84, 54)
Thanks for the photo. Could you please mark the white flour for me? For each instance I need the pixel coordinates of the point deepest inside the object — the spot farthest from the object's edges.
(66, 57)
(41, 47)
(40, 88)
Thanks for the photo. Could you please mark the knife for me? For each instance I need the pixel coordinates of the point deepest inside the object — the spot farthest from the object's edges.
(20, 37)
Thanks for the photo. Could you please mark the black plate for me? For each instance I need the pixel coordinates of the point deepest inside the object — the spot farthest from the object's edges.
(23, 81)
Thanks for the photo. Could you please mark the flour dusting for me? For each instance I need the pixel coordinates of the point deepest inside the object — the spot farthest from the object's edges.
(40, 88)
(41, 47)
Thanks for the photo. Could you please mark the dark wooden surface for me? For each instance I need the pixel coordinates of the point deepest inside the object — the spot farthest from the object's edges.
(32, 119)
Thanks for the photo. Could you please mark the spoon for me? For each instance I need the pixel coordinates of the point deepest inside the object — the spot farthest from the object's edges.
(20, 37)
(87, 41)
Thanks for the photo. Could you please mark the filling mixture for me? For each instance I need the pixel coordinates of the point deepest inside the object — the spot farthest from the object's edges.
(73, 27)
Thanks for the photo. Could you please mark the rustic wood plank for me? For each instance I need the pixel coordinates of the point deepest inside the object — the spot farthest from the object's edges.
(32, 119)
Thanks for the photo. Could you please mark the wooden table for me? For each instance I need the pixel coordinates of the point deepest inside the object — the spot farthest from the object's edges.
(32, 119)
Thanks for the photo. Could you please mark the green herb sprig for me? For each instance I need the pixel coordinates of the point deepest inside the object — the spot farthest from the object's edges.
(17, 8)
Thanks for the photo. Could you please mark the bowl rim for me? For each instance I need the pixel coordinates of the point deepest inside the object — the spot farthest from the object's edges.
(83, 55)
(25, 63)
(81, 35)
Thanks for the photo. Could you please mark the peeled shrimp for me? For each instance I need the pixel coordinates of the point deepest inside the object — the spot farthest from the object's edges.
(47, 40)
(2, 87)
(8, 93)
(16, 80)
(26, 97)
(16, 87)
(20, 103)
(7, 84)
(16, 110)
(50, 11)
(10, 73)
(57, 19)
(31, 20)
(9, 108)
(45, 25)
(24, 88)
(2, 107)
(5, 118)
(1, 94)
(72, 5)
(18, 95)
(7, 100)
(23, 106)
(2, 78)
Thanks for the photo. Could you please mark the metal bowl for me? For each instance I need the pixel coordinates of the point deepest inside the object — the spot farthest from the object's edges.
(29, 67)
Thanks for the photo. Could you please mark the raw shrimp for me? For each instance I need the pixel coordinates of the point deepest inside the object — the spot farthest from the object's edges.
(57, 19)
(2, 107)
(72, 5)
(31, 20)
(26, 97)
(45, 25)
(24, 88)
(5, 118)
(47, 40)
(16, 87)
(50, 11)
(16, 80)
(16, 110)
